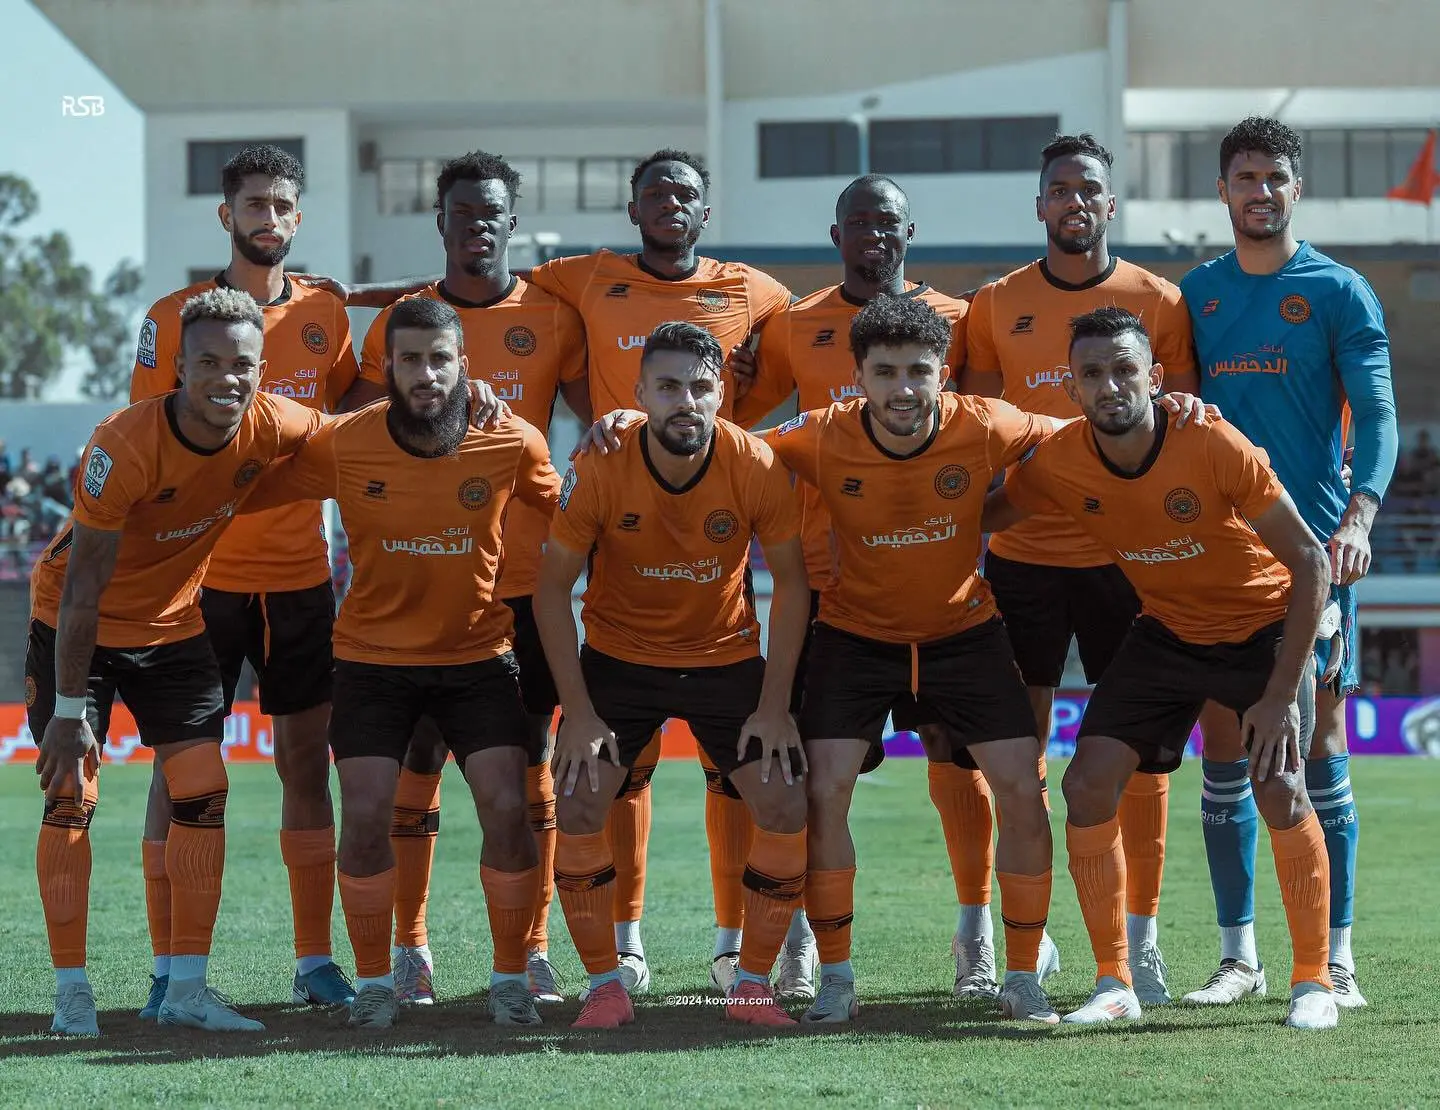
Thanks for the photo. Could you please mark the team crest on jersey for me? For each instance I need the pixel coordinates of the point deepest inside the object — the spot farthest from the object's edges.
(1295, 309)
(29, 691)
(791, 424)
(313, 336)
(721, 525)
(247, 473)
(474, 493)
(567, 487)
(1181, 505)
(520, 341)
(145, 353)
(951, 481)
(714, 301)
(97, 470)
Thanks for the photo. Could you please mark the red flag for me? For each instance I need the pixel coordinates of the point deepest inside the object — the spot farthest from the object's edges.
(1422, 180)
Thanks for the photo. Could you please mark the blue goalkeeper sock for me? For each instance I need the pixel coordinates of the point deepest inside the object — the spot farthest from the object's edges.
(1232, 831)
(1328, 783)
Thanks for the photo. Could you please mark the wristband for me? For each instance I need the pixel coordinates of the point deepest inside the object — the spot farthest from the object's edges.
(70, 709)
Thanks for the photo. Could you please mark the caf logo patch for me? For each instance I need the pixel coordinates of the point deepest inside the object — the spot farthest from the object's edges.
(1181, 505)
(29, 692)
(520, 341)
(1295, 309)
(721, 525)
(474, 493)
(952, 481)
(247, 472)
(714, 301)
(313, 336)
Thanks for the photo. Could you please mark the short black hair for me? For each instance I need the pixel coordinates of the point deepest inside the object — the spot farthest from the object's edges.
(1107, 322)
(1083, 145)
(264, 161)
(679, 335)
(222, 305)
(1264, 136)
(875, 182)
(423, 312)
(684, 157)
(894, 321)
(478, 165)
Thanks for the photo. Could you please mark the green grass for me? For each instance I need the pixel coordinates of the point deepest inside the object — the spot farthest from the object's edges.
(912, 1046)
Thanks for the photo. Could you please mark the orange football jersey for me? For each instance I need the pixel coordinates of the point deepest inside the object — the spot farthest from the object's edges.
(621, 301)
(1178, 528)
(1020, 326)
(524, 344)
(907, 530)
(669, 582)
(308, 359)
(806, 348)
(171, 502)
(424, 533)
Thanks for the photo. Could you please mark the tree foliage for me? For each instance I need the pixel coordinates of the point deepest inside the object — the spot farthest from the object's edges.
(51, 307)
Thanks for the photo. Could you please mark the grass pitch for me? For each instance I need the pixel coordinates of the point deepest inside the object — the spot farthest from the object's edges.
(913, 1045)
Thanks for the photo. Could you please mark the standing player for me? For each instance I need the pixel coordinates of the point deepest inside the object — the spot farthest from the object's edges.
(804, 350)
(268, 596)
(1232, 583)
(423, 497)
(1293, 347)
(528, 345)
(620, 298)
(1051, 581)
(671, 631)
(115, 611)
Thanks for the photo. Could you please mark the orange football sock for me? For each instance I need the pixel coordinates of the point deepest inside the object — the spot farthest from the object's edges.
(774, 883)
(309, 856)
(510, 902)
(369, 904)
(540, 795)
(730, 831)
(962, 799)
(830, 906)
(1144, 806)
(157, 895)
(1303, 868)
(1098, 867)
(1024, 908)
(413, 829)
(628, 827)
(195, 848)
(62, 865)
(585, 879)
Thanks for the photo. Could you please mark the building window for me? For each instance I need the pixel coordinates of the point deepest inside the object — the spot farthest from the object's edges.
(816, 148)
(206, 160)
(407, 185)
(1336, 164)
(589, 184)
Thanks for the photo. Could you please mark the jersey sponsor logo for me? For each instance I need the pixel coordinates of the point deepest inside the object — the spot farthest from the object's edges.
(825, 337)
(375, 490)
(1092, 505)
(1053, 377)
(314, 338)
(567, 487)
(474, 493)
(201, 526)
(1024, 325)
(1294, 309)
(713, 301)
(520, 341)
(1211, 307)
(1172, 551)
(951, 481)
(791, 424)
(165, 495)
(145, 352)
(850, 487)
(1251, 363)
(452, 541)
(30, 692)
(294, 390)
(699, 572)
(721, 526)
(97, 470)
(630, 522)
(1181, 505)
(937, 529)
(247, 473)
(846, 393)
(629, 342)
(619, 289)
(507, 383)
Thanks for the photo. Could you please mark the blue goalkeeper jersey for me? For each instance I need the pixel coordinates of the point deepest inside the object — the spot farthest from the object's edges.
(1283, 354)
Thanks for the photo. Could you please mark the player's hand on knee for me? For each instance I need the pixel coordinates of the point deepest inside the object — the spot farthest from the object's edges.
(1270, 731)
(65, 747)
(604, 434)
(779, 740)
(487, 410)
(579, 744)
(1190, 409)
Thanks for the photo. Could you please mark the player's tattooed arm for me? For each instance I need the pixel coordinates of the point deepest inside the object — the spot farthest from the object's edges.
(378, 294)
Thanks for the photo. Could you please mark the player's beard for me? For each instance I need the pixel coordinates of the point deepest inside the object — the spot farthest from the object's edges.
(1260, 235)
(686, 443)
(906, 423)
(1077, 244)
(882, 273)
(434, 434)
(257, 255)
(1118, 423)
